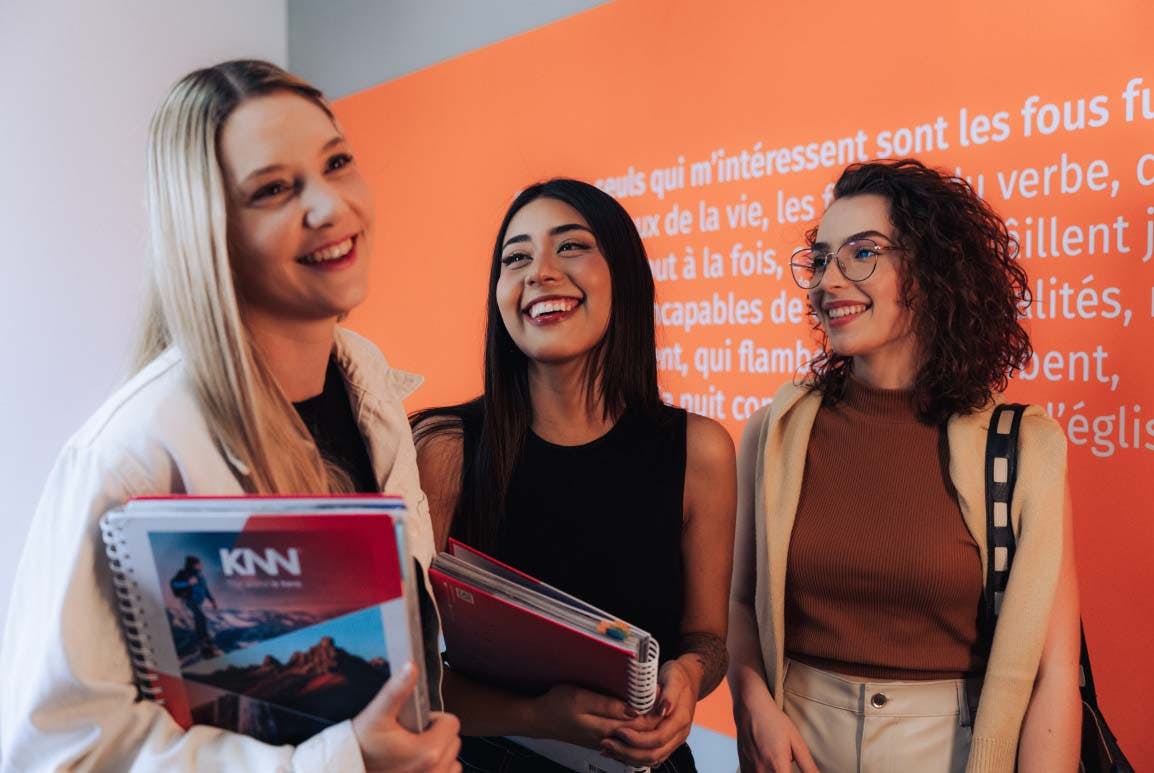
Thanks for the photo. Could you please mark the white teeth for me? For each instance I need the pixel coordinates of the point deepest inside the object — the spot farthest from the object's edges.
(545, 307)
(333, 252)
(844, 311)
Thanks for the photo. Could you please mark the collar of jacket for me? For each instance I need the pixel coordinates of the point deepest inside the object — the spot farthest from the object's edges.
(368, 378)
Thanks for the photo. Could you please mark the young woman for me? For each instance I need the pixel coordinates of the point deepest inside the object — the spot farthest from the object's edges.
(855, 640)
(262, 232)
(570, 468)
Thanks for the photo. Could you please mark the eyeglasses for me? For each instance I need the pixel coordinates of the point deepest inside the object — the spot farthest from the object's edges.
(856, 260)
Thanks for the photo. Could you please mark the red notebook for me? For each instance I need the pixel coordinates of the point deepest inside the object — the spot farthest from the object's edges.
(503, 627)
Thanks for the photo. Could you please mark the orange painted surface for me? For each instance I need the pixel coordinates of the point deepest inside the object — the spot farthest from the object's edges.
(649, 84)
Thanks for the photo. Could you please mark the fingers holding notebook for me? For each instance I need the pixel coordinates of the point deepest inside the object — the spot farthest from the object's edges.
(650, 739)
(387, 745)
(583, 717)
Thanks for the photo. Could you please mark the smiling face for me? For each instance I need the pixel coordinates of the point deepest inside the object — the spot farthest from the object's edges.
(299, 213)
(554, 288)
(867, 320)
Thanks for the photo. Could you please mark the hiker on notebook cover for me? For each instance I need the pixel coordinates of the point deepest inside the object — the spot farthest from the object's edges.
(190, 587)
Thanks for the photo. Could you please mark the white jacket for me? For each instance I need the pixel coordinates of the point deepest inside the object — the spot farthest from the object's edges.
(67, 699)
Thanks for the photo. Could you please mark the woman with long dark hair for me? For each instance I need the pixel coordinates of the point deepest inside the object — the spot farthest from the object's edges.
(856, 640)
(570, 468)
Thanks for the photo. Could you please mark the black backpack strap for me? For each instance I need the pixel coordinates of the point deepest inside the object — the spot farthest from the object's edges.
(1099, 745)
(1001, 474)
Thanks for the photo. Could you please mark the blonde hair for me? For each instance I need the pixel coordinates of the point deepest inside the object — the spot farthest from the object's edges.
(192, 300)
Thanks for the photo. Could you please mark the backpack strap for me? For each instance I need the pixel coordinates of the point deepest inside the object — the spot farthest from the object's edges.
(1098, 743)
(1001, 475)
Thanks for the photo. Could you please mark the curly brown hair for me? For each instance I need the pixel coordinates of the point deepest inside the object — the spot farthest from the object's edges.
(960, 279)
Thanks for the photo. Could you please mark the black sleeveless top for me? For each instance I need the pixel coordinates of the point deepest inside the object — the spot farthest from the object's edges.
(329, 419)
(603, 520)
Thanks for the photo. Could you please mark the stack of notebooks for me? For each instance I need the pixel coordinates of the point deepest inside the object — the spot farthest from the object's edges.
(503, 627)
(269, 616)
(279, 616)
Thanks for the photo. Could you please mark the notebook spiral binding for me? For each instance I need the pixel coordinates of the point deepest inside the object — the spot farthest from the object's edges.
(642, 689)
(132, 620)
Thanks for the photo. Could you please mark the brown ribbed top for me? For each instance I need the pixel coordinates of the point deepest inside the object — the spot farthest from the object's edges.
(884, 579)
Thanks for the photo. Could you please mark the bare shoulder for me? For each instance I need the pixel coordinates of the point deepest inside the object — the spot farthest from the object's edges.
(708, 444)
(710, 469)
(440, 445)
(710, 478)
(428, 425)
(1041, 443)
(1039, 428)
(440, 457)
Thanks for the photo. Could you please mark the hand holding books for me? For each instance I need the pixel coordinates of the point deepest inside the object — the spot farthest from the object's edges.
(652, 738)
(387, 745)
(578, 716)
(317, 601)
(581, 674)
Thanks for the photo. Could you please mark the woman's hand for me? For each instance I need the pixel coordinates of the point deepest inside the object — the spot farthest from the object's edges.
(386, 746)
(649, 740)
(768, 741)
(579, 716)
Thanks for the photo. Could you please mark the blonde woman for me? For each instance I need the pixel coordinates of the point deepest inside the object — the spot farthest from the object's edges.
(262, 231)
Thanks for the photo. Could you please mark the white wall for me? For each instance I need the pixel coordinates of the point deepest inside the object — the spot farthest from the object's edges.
(344, 46)
(78, 83)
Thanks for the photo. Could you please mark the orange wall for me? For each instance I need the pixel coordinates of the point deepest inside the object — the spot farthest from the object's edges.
(643, 85)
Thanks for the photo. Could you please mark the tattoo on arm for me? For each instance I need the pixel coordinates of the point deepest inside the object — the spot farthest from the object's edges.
(709, 649)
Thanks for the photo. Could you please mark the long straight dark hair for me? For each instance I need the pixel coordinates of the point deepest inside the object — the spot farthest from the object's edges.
(620, 372)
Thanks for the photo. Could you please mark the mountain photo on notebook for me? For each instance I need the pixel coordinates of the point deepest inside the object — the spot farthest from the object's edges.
(508, 629)
(272, 617)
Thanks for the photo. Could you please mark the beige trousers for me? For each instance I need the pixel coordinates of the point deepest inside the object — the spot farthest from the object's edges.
(855, 726)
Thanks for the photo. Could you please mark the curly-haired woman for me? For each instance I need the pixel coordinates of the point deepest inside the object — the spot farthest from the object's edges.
(855, 639)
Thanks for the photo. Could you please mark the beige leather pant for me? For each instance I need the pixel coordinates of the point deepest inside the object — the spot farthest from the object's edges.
(854, 726)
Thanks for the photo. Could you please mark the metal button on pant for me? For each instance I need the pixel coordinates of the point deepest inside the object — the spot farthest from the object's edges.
(879, 727)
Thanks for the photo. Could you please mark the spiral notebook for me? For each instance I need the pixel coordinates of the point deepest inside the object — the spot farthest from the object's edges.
(503, 627)
(269, 616)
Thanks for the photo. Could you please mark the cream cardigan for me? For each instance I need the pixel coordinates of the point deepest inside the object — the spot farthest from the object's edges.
(1036, 516)
(67, 698)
